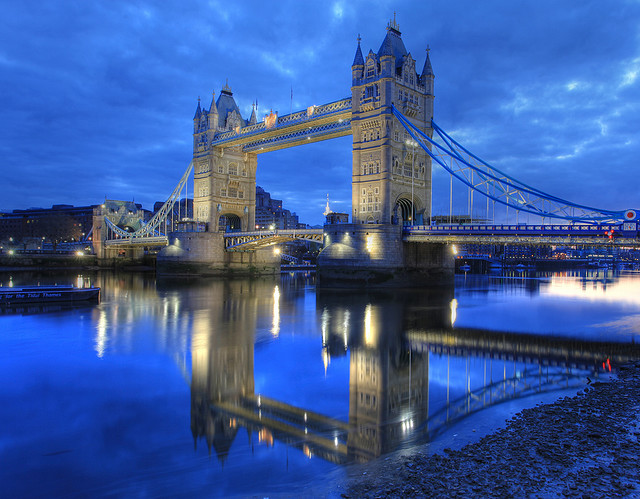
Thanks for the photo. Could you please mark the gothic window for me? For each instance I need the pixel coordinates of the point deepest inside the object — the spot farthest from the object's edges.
(396, 135)
(371, 69)
(233, 192)
(223, 192)
(220, 169)
(233, 169)
(244, 171)
(241, 194)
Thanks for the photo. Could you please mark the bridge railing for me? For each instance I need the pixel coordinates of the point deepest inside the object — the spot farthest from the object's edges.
(629, 229)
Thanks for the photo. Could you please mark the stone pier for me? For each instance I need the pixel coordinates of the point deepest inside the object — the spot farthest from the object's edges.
(374, 255)
(203, 253)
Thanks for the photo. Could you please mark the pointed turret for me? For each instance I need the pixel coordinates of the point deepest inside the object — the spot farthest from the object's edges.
(358, 60)
(426, 70)
(252, 119)
(198, 111)
(197, 117)
(227, 108)
(427, 76)
(357, 68)
(392, 46)
(213, 113)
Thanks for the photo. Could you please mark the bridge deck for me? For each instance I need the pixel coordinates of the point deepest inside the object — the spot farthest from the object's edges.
(552, 234)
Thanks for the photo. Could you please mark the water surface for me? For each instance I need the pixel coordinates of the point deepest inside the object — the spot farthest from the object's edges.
(244, 387)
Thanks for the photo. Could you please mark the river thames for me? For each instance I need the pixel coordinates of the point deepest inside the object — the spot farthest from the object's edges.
(171, 388)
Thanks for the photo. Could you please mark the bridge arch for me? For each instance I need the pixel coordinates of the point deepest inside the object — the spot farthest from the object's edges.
(229, 222)
(408, 210)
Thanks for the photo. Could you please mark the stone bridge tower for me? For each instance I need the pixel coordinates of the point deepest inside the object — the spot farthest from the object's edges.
(391, 179)
(224, 177)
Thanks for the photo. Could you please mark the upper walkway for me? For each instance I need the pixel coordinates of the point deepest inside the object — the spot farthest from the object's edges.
(314, 124)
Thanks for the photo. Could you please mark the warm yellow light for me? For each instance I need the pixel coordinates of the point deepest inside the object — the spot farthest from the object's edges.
(79, 253)
(370, 243)
(275, 322)
(454, 310)
(370, 329)
(454, 249)
(276, 251)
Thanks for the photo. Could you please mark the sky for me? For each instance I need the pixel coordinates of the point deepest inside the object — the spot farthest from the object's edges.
(97, 98)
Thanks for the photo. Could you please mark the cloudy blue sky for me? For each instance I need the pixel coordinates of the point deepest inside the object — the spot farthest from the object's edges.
(97, 97)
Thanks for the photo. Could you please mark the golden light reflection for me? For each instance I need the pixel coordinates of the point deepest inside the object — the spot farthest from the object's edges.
(370, 326)
(307, 451)
(454, 310)
(101, 334)
(266, 437)
(324, 326)
(346, 326)
(326, 359)
(275, 325)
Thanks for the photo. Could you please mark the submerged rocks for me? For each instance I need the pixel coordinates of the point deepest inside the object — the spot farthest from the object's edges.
(586, 445)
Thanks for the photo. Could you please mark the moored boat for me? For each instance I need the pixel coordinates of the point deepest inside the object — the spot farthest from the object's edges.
(47, 294)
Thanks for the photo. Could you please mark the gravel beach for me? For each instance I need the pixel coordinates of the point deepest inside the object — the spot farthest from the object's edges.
(583, 446)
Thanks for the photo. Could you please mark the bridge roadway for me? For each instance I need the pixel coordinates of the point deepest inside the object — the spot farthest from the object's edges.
(243, 241)
(548, 234)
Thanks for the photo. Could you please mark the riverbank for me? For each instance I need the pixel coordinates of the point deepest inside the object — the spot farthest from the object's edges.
(583, 446)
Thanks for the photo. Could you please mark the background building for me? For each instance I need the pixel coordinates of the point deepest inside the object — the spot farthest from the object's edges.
(36, 227)
(270, 212)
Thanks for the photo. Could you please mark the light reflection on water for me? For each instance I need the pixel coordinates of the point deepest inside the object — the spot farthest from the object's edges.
(274, 380)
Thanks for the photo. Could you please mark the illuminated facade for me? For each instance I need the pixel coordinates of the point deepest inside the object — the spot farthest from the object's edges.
(391, 177)
(224, 178)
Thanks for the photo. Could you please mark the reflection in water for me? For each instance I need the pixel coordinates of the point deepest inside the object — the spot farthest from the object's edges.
(413, 363)
(396, 343)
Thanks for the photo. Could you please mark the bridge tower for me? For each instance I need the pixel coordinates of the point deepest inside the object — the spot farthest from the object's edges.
(224, 177)
(391, 179)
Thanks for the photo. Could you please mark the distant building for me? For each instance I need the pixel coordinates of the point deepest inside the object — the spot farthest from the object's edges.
(27, 227)
(270, 212)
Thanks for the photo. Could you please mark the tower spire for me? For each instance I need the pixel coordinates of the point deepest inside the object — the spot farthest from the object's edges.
(327, 209)
(427, 70)
(358, 60)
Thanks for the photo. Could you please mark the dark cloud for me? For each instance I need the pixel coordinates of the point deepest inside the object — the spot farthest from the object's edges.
(97, 97)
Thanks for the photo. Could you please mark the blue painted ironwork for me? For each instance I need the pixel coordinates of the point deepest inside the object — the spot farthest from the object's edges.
(500, 187)
(153, 228)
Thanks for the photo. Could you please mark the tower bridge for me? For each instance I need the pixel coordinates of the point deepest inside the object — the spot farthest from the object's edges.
(395, 141)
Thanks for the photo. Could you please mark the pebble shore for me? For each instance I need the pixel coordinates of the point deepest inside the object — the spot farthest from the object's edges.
(582, 446)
